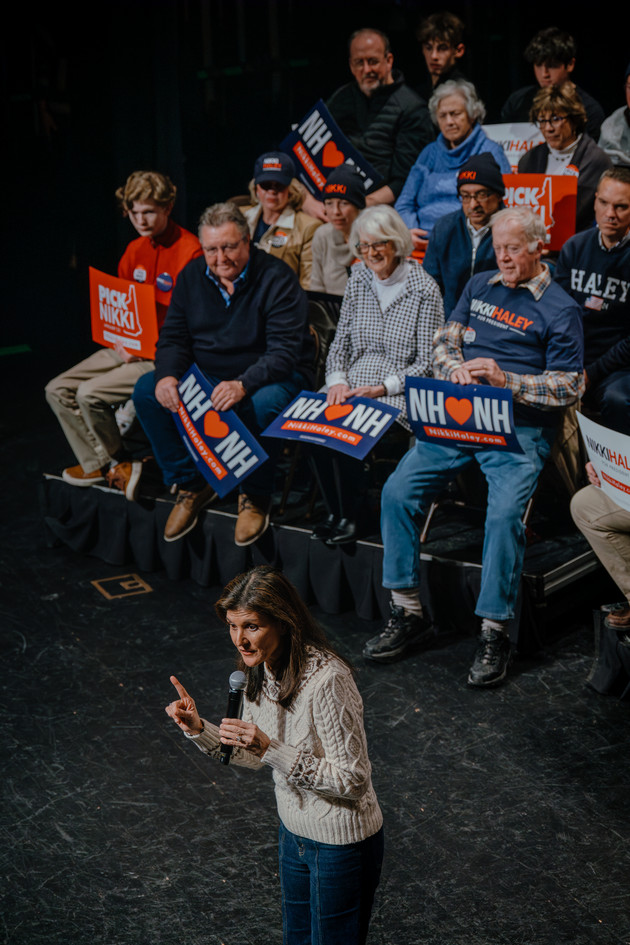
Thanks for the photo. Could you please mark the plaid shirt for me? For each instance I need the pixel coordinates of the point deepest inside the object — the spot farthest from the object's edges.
(372, 346)
(549, 389)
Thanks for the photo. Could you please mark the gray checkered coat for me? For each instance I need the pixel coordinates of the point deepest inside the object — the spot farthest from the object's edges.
(376, 347)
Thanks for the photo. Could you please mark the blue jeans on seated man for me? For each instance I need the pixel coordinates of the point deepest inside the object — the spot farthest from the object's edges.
(256, 411)
(420, 477)
(328, 889)
(611, 396)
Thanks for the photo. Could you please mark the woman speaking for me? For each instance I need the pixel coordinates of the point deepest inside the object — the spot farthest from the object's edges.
(303, 717)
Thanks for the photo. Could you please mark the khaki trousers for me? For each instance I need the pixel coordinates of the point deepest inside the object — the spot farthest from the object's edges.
(84, 399)
(606, 526)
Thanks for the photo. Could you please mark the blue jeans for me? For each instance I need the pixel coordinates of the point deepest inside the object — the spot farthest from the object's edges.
(256, 411)
(328, 889)
(424, 472)
(611, 396)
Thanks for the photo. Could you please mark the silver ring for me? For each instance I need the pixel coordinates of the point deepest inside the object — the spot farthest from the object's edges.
(238, 738)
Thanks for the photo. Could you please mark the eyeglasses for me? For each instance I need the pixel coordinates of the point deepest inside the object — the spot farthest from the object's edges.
(555, 121)
(273, 185)
(371, 61)
(226, 249)
(481, 196)
(377, 247)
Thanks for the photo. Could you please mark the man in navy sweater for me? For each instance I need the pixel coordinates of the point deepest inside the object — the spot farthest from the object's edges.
(515, 329)
(461, 242)
(594, 268)
(240, 315)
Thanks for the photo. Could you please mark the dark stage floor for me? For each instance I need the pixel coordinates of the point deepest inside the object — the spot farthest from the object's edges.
(506, 811)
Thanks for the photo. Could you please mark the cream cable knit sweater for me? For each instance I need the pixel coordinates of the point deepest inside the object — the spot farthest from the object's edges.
(318, 754)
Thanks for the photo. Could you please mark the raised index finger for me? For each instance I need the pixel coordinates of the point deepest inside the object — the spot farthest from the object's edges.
(180, 689)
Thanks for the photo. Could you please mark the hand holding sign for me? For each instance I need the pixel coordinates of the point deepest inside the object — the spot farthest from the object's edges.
(167, 393)
(337, 394)
(226, 394)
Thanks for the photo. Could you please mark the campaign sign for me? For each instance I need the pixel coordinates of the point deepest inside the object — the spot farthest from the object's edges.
(123, 311)
(318, 145)
(516, 138)
(609, 453)
(552, 196)
(461, 414)
(352, 427)
(224, 450)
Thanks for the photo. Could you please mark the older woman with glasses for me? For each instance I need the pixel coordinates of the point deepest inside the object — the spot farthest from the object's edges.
(390, 312)
(567, 149)
(430, 191)
(276, 221)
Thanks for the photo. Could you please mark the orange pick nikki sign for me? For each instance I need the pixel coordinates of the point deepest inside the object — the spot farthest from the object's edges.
(123, 311)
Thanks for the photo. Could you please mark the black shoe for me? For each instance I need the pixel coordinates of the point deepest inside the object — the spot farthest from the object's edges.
(345, 532)
(493, 656)
(324, 530)
(401, 633)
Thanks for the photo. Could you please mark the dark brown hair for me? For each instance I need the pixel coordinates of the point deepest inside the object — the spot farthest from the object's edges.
(266, 591)
(443, 27)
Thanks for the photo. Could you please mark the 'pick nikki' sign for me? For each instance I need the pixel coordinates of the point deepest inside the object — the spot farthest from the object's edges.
(475, 415)
(223, 449)
(352, 427)
(318, 145)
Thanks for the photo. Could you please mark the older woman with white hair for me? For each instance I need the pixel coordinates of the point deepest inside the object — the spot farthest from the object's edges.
(430, 191)
(390, 312)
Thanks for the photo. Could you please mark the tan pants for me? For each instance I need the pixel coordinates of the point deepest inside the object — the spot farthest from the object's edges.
(84, 398)
(606, 526)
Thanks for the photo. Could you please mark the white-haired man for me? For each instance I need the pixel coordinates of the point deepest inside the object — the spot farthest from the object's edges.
(511, 328)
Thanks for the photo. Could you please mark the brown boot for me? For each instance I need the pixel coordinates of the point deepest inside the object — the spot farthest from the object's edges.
(126, 477)
(186, 511)
(253, 518)
(77, 476)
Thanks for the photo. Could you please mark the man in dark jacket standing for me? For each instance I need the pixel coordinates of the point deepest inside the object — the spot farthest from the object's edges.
(380, 115)
(461, 242)
(240, 315)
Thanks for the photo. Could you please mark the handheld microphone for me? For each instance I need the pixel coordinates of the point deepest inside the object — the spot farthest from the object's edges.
(238, 682)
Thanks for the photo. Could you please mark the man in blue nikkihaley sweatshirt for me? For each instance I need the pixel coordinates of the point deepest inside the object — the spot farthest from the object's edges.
(461, 242)
(512, 328)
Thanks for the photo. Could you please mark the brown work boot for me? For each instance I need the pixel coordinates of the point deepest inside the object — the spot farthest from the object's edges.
(126, 477)
(253, 518)
(77, 476)
(185, 513)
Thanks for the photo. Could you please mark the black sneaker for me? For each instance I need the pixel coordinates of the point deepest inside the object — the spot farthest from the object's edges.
(401, 633)
(493, 656)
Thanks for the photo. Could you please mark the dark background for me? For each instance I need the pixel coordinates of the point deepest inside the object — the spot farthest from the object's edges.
(198, 88)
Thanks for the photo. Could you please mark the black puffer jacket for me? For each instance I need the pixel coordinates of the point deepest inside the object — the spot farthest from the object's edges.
(389, 128)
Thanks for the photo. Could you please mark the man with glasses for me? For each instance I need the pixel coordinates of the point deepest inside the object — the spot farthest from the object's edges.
(461, 242)
(513, 328)
(552, 54)
(380, 115)
(239, 314)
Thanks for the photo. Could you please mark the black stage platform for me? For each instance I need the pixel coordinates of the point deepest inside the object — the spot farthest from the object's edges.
(506, 811)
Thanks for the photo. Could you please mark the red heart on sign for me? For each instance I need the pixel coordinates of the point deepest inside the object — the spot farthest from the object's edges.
(460, 410)
(332, 156)
(337, 410)
(215, 427)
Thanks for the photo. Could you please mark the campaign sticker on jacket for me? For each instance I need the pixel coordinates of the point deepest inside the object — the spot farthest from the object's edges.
(223, 449)
(164, 282)
(123, 311)
(140, 274)
(279, 239)
(552, 196)
(458, 415)
(609, 453)
(318, 145)
(352, 427)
